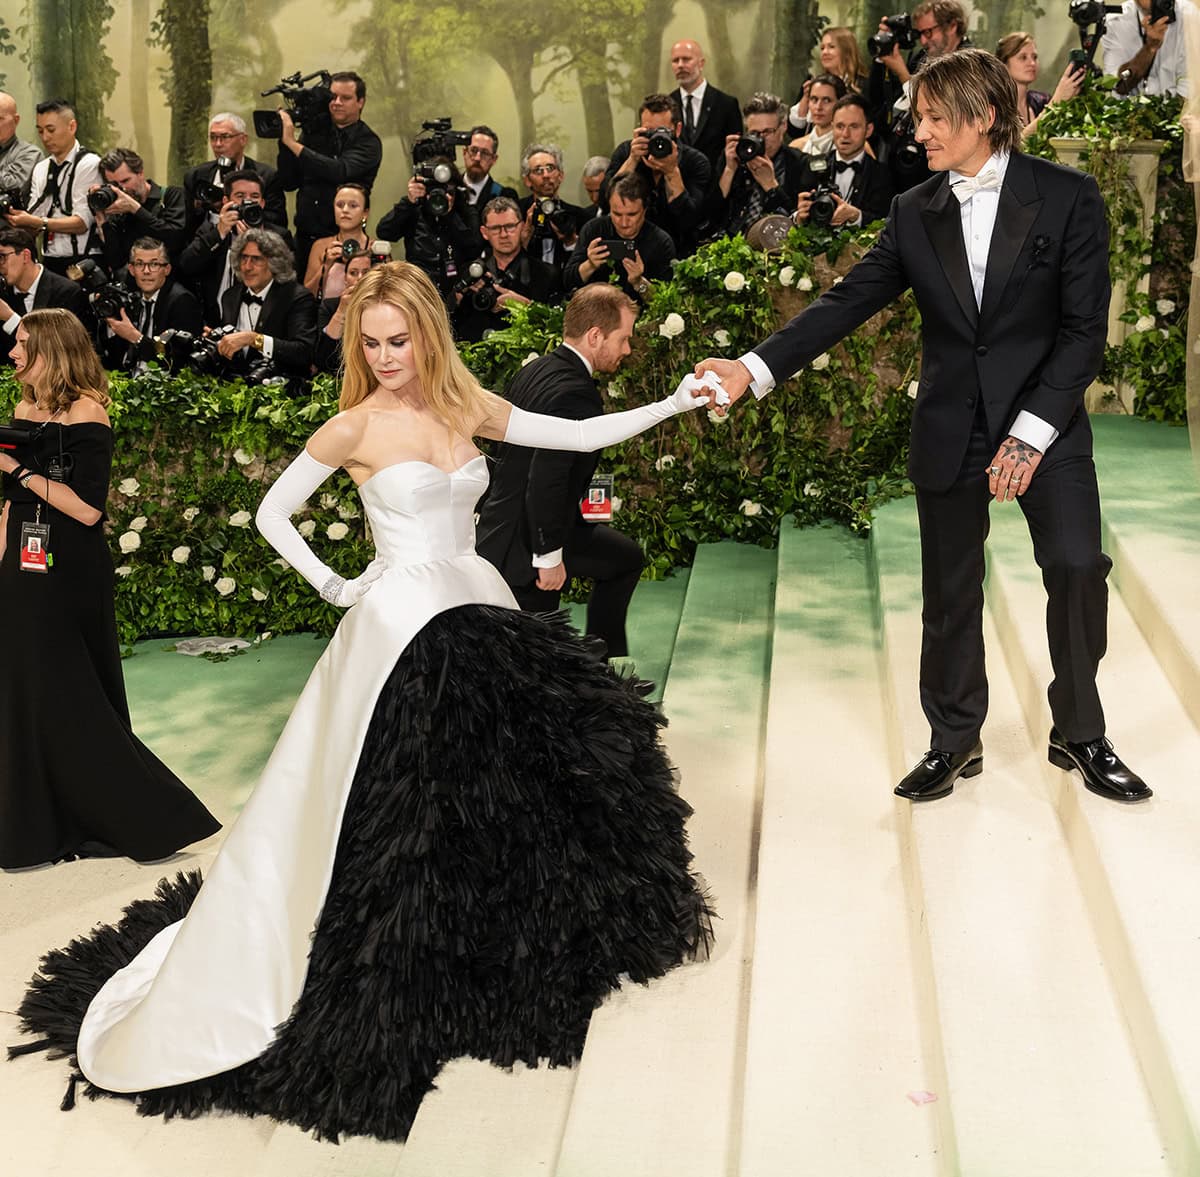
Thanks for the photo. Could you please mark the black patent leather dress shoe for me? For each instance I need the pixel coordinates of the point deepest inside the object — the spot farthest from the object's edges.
(934, 777)
(1101, 768)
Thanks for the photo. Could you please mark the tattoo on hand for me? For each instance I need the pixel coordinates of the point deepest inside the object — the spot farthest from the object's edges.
(1022, 451)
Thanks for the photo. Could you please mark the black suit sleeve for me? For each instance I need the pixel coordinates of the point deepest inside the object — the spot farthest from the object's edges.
(293, 348)
(357, 164)
(593, 229)
(397, 223)
(878, 279)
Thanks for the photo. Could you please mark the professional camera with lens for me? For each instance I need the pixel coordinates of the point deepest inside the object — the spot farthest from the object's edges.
(307, 105)
(898, 32)
(485, 297)
(262, 371)
(552, 211)
(750, 145)
(660, 141)
(1162, 8)
(437, 139)
(107, 298)
(251, 214)
(351, 250)
(820, 212)
(438, 179)
(10, 200)
(102, 199)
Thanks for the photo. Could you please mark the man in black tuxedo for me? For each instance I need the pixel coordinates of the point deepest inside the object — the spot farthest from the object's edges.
(26, 285)
(204, 184)
(864, 186)
(128, 341)
(204, 263)
(1007, 258)
(530, 525)
(140, 208)
(273, 315)
(550, 225)
(676, 182)
(709, 115)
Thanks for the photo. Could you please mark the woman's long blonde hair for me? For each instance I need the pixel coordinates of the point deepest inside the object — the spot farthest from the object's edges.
(71, 368)
(448, 387)
(853, 69)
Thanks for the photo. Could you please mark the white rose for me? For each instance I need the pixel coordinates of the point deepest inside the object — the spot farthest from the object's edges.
(665, 462)
(721, 337)
(306, 527)
(787, 275)
(347, 511)
(1164, 306)
(242, 458)
(240, 519)
(129, 486)
(804, 282)
(750, 509)
(811, 489)
(123, 571)
(258, 594)
(820, 363)
(138, 522)
(616, 503)
(190, 514)
(182, 554)
(913, 385)
(208, 572)
(530, 358)
(1145, 323)
(337, 531)
(130, 541)
(225, 585)
(671, 326)
(329, 501)
(734, 281)
(281, 564)
(716, 417)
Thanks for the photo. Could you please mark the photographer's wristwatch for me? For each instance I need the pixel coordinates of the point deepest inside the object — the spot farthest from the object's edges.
(258, 341)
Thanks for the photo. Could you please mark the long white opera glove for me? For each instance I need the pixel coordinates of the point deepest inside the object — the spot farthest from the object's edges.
(291, 490)
(538, 431)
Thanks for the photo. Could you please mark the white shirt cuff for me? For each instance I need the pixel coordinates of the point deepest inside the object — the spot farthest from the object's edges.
(548, 559)
(761, 380)
(1032, 430)
(268, 347)
(11, 324)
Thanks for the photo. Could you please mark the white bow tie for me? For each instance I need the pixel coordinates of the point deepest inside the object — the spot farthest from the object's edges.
(988, 180)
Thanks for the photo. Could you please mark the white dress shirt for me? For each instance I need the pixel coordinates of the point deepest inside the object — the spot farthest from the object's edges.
(248, 316)
(14, 320)
(86, 175)
(978, 221)
(1123, 40)
(697, 97)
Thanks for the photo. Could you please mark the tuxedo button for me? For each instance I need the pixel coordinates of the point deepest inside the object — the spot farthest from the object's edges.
(981, 350)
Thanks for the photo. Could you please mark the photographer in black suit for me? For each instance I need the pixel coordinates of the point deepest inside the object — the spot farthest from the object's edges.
(26, 285)
(551, 225)
(479, 157)
(128, 341)
(274, 317)
(345, 150)
(863, 186)
(140, 208)
(512, 275)
(204, 185)
(205, 264)
(1007, 257)
(676, 180)
(530, 525)
(709, 115)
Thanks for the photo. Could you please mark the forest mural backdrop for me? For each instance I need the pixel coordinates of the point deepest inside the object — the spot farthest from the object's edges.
(147, 73)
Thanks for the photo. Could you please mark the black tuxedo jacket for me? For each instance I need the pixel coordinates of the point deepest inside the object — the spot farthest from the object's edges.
(872, 191)
(720, 116)
(532, 505)
(53, 290)
(1035, 344)
(681, 218)
(202, 265)
(289, 316)
(175, 308)
(203, 173)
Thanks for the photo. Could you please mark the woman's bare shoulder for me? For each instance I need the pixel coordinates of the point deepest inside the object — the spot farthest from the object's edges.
(336, 441)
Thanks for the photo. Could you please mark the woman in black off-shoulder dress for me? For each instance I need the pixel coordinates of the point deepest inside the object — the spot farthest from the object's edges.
(74, 779)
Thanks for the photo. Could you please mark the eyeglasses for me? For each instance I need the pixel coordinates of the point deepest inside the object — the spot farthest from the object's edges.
(923, 33)
(222, 136)
(479, 153)
(502, 228)
(544, 169)
(148, 265)
(6, 254)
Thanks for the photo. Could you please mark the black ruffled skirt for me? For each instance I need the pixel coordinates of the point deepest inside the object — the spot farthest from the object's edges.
(512, 846)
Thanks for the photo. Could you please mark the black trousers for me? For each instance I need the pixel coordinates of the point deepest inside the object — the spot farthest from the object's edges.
(614, 563)
(1062, 510)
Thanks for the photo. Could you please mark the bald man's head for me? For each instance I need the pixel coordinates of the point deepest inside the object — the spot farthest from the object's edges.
(8, 117)
(687, 64)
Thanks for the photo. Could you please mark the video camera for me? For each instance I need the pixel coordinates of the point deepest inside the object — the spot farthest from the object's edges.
(1091, 17)
(437, 139)
(485, 297)
(107, 298)
(307, 105)
(898, 33)
(660, 141)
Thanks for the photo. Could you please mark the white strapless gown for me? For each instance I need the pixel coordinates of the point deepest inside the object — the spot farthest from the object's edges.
(207, 993)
